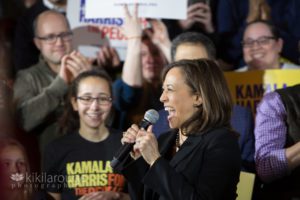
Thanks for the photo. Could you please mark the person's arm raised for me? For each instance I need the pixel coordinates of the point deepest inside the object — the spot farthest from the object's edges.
(160, 36)
(132, 69)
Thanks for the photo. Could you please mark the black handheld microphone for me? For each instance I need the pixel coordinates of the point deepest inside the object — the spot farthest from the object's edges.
(151, 117)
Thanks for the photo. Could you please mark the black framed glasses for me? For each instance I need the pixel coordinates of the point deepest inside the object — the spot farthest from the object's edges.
(101, 100)
(50, 39)
(261, 41)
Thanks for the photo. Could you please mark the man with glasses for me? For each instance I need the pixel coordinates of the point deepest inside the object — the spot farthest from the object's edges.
(25, 52)
(262, 46)
(40, 90)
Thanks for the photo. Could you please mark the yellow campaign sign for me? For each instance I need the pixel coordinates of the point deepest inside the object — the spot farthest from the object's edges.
(248, 88)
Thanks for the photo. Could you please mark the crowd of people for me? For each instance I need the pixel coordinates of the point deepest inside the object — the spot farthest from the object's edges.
(63, 116)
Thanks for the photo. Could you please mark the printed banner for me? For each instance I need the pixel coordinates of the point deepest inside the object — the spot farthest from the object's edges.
(147, 8)
(92, 33)
(248, 88)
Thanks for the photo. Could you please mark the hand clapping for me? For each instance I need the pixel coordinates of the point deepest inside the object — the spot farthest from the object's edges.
(72, 65)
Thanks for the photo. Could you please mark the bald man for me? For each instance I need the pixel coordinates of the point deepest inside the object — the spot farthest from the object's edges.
(25, 52)
(39, 90)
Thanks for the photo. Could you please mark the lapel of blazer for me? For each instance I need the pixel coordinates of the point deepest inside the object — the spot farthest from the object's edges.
(167, 141)
(187, 147)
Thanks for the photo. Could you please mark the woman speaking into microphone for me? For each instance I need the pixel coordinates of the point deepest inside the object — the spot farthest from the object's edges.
(199, 158)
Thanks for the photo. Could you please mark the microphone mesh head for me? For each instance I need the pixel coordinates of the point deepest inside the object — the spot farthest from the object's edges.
(151, 116)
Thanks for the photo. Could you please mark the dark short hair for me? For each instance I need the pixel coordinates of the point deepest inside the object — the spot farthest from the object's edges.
(205, 78)
(273, 29)
(194, 38)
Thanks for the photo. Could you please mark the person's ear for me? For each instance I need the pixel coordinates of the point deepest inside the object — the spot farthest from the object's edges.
(74, 104)
(197, 100)
(280, 45)
(37, 43)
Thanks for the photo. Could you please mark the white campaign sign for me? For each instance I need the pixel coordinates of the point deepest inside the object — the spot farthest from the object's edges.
(92, 33)
(168, 9)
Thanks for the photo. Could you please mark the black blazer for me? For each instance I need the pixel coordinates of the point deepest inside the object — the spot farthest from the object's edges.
(207, 166)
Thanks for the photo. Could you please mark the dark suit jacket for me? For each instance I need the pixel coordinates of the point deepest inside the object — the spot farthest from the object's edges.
(207, 166)
(241, 121)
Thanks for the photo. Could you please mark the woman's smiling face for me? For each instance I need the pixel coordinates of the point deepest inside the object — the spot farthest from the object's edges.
(178, 98)
(93, 102)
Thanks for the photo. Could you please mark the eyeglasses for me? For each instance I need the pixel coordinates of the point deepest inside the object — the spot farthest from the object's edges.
(88, 100)
(262, 41)
(50, 39)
